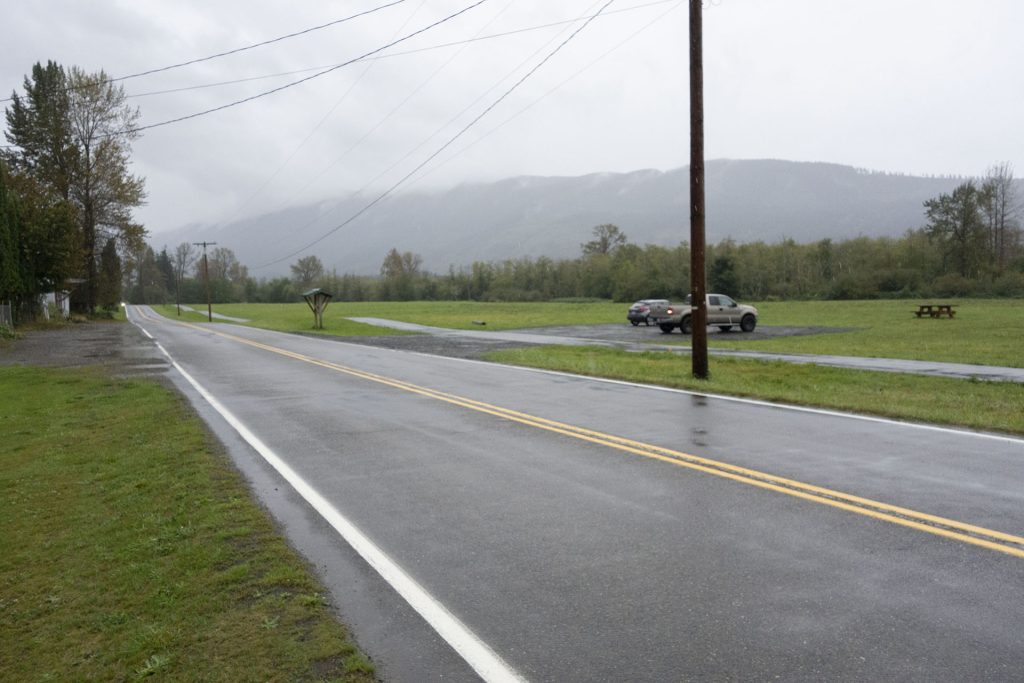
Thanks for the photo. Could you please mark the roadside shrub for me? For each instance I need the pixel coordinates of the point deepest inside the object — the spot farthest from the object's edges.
(578, 300)
(502, 294)
(1008, 285)
(953, 285)
(897, 280)
(854, 286)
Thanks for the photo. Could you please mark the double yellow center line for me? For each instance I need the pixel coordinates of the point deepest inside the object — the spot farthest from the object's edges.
(932, 524)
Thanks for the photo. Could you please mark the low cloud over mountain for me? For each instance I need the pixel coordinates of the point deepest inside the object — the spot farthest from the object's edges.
(539, 216)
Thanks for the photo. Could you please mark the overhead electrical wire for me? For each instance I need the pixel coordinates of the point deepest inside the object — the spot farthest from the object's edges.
(257, 96)
(247, 47)
(549, 92)
(443, 147)
(526, 60)
(323, 119)
(261, 44)
(456, 117)
(400, 53)
(376, 126)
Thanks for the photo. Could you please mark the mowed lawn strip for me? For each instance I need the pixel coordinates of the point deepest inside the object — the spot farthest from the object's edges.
(279, 317)
(984, 331)
(131, 546)
(995, 406)
(463, 315)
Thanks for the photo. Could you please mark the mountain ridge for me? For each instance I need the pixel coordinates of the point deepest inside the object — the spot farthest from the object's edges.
(533, 216)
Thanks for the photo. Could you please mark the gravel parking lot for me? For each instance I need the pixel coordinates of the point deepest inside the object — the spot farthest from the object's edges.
(625, 335)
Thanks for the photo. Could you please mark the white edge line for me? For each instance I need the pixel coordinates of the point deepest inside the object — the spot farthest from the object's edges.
(487, 663)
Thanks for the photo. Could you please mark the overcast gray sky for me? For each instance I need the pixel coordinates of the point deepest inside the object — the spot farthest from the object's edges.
(913, 86)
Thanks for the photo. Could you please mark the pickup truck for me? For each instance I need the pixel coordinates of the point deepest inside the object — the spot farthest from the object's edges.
(723, 313)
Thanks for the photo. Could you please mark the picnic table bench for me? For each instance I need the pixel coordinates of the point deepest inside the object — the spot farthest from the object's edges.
(935, 311)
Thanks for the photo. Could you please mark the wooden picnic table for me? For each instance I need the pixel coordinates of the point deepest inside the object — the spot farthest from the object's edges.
(935, 311)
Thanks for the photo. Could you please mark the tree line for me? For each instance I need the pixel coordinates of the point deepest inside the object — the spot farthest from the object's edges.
(66, 192)
(971, 245)
(67, 195)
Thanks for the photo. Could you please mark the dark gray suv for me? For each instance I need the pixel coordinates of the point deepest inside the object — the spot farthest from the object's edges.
(640, 312)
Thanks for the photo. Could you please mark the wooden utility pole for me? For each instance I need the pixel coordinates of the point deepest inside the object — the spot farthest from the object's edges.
(206, 277)
(698, 293)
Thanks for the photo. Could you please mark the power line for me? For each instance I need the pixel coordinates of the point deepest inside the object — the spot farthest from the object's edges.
(445, 145)
(492, 131)
(468, 107)
(451, 121)
(380, 123)
(243, 49)
(402, 53)
(302, 80)
(255, 45)
(466, 148)
(324, 118)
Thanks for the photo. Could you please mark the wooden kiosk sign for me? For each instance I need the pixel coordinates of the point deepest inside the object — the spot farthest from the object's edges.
(317, 300)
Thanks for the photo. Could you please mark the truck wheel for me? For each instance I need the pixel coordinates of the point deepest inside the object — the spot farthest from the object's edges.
(748, 323)
(666, 327)
(686, 326)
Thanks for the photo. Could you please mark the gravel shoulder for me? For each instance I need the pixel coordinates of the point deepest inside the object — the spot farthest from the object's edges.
(116, 345)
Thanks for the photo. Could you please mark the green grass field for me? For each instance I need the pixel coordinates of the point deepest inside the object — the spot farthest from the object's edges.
(281, 317)
(995, 406)
(450, 314)
(986, 332)
(131, 547)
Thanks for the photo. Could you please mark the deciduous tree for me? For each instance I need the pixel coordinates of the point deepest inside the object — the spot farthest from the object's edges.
(607, 238)
(110, 274)
(954, 222)
(1000, 207)
(72, 131)
(307, 271)
(39, 247)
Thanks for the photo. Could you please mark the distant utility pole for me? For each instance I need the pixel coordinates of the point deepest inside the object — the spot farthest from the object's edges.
(698, 293)
(206, 277)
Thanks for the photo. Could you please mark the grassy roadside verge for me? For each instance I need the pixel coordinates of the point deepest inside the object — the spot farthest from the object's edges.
(457, 315)
(997, 406)
(132, 548)
(985, 331)
(280, 317)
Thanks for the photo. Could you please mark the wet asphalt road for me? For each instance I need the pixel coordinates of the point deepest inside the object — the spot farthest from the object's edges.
(578, 561)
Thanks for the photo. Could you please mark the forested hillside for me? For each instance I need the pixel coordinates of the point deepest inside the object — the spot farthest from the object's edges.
(537, 217)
